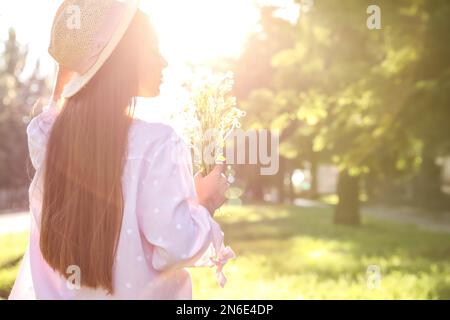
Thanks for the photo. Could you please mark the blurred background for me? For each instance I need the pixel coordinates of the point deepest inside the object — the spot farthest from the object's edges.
(360, 208)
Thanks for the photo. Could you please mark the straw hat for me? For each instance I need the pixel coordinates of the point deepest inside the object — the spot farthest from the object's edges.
(84, 34)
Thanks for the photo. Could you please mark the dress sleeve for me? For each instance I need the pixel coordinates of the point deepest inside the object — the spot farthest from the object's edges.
(182, 232)
(38, 131)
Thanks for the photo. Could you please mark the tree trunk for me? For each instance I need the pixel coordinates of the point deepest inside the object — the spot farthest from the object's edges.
(280, 181)
(347, 211)
(292, 194)
(314, 183)
(428, 183)
(255, 183)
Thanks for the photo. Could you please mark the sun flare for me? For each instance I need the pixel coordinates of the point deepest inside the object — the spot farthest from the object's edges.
(202, 30)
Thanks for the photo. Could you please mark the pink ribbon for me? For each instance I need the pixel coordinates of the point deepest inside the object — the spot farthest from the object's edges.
(225, 254)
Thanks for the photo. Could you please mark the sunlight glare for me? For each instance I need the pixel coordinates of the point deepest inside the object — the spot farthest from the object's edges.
(196, 31)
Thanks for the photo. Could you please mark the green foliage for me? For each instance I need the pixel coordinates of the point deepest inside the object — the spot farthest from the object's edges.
(17, 96)
(370, 101)
(348, 84)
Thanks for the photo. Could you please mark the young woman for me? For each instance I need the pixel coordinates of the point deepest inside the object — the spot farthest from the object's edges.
(116, 212)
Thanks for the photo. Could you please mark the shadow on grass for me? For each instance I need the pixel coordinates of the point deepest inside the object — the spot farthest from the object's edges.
(11, 263)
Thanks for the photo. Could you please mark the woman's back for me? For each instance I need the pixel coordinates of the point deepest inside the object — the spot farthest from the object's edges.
(163, 230)
(114, 203)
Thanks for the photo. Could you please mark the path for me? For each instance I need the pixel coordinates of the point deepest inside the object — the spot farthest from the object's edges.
(408, 215)
(14, 222)
(405, 215)
(19, 222)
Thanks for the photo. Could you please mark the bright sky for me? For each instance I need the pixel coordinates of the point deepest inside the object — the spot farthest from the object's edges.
(32, 22)
(195, 31)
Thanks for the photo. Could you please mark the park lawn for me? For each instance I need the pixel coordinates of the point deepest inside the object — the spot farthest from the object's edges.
(288, 252)
(12, 247)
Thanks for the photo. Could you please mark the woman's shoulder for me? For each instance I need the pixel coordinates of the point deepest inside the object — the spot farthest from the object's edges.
(38, 132)
(147, 138)
(144, 133)
(42, 123)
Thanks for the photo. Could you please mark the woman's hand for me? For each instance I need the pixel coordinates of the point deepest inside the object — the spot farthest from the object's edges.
(212, 188)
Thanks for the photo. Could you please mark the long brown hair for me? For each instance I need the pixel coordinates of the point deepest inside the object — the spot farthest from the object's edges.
(82, 201)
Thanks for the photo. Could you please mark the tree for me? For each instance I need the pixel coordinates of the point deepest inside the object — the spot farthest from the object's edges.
(17, 98)
(254, 72)
(353, 84)
(433, 99)
(341, 92)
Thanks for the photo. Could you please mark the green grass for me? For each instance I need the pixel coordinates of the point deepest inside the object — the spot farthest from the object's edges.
(12, 247)
(296, 253)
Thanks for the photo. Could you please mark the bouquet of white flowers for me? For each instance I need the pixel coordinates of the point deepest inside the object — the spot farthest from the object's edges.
(213, 116)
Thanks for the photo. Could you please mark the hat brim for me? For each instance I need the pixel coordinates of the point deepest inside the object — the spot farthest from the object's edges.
(78, 82)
